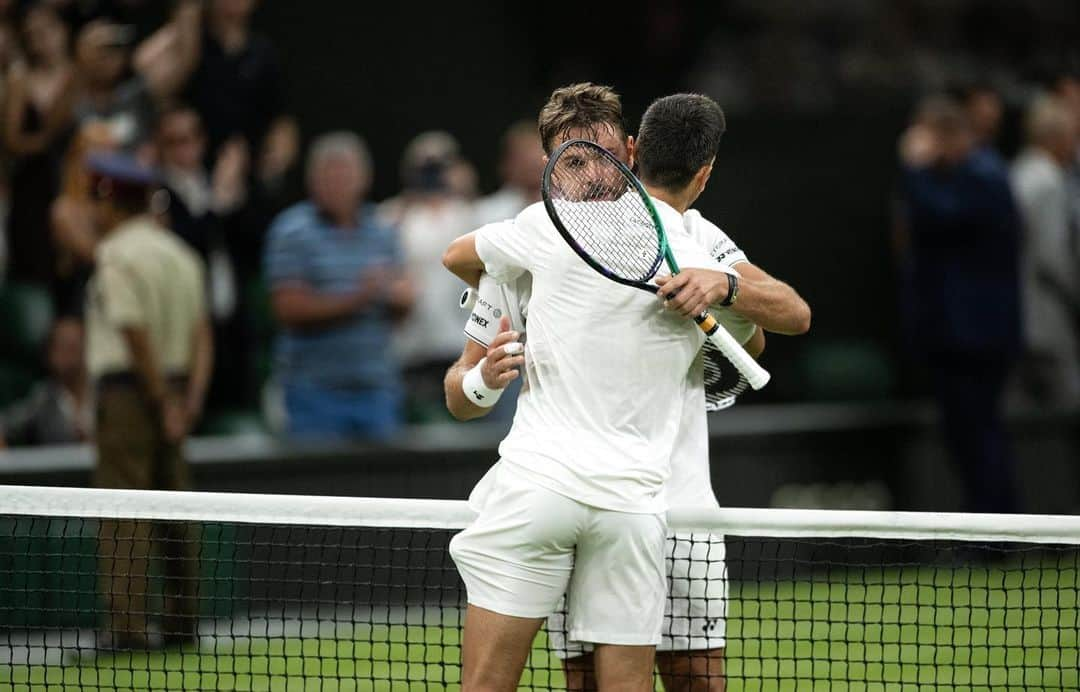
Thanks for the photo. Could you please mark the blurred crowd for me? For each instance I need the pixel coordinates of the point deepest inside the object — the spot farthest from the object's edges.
(989, 254)
(325, 313)
(817, 55)
(332, 316)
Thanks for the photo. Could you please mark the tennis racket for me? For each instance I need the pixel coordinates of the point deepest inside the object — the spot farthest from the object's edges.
(601, 209)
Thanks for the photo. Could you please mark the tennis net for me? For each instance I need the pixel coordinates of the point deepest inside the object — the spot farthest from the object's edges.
(250, 592)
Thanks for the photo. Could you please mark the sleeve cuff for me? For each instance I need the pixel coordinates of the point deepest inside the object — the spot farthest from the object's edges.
(496, 263)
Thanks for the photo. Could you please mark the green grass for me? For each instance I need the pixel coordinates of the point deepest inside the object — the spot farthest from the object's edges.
(880, 630)
(379, 658)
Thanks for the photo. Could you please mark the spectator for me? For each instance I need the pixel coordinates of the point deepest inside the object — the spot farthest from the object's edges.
(521, 167)
(200, 200)
(237, 87)
(337, 285)
(9, 53)
(429, 214)
(1067, 88)
(200, 208)
(74, 228)
(984, 111)
(1051, 266)
(161, 66)
(149, 351)
(56, 411)
(37, 115)
(964, 244)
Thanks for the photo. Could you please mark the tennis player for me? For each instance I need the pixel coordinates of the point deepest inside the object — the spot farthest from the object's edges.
(576, 505)
(690, 654)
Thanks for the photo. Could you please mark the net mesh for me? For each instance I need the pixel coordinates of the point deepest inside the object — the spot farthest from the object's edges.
(286, 605)
(601, 213)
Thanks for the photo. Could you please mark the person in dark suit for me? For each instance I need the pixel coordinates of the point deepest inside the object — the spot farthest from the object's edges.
(963, 293)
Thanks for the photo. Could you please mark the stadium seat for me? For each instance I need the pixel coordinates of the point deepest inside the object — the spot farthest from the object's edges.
(26, 314)
(846, 370)
(15, 381)
(263, 326)
(233, 423)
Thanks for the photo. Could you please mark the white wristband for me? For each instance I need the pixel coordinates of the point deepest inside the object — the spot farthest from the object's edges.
(475, 389)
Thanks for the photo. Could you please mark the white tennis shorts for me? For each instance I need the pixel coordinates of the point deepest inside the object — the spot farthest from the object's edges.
(529, 546)
(695, 610)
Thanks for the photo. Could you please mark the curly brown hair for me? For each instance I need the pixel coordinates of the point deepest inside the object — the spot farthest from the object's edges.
(579, 106)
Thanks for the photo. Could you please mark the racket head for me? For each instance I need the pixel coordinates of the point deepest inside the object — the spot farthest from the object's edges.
(723, 381)
(603, 212)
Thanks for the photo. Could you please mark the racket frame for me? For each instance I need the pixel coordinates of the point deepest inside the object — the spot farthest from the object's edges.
(757, 376)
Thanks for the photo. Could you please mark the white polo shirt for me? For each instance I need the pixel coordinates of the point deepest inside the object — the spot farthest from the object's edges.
(690, 483)
(605, 364)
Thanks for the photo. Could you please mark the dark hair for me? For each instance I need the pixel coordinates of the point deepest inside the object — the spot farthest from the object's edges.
(128, 198)
(964, 91)
(679, 134)
(585, 106)
(173, 108)
(943, 113)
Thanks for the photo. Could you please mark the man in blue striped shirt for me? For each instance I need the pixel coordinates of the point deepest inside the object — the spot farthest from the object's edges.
(337, 286)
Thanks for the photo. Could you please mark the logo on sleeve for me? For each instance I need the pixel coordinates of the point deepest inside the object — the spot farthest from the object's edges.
(481, 321)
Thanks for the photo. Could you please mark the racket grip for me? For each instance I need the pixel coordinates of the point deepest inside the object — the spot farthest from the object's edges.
(756, 375)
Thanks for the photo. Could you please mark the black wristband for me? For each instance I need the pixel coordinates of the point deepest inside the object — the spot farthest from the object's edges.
(733, 291)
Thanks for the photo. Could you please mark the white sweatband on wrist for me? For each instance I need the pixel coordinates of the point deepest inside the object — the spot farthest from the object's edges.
(475, 389)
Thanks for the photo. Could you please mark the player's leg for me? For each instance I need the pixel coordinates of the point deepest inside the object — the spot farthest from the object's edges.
(516, 560)
(616, 596)
(691, 651)
(580, 673)
(494, 649)
(576, 657)
(692, 671)
(624, 668)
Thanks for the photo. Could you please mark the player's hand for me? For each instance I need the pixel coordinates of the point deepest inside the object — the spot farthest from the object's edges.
(501, 367)
(692, 291)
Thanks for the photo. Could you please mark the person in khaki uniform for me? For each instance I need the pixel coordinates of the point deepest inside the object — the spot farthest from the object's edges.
(149, 353)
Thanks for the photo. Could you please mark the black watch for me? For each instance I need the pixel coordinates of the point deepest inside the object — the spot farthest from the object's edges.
(732, 293)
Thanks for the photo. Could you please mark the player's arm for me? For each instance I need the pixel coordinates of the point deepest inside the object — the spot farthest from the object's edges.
(769, 302)
(503, 250)
(496, 366)
(463, 261)
(765, 301)
(756, 345)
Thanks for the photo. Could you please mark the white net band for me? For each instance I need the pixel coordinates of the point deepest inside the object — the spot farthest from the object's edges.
(303, 510)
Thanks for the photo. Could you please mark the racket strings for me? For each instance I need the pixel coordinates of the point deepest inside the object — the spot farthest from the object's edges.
(604, 214)
(723, 382)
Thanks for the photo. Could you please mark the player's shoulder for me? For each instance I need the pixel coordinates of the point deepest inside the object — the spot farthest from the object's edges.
(533, 216)
(671, 219)
(701, 228)
(710, 236)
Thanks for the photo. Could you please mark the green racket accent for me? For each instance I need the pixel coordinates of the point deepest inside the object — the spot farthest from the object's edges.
(586, 195)
(665, 247)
